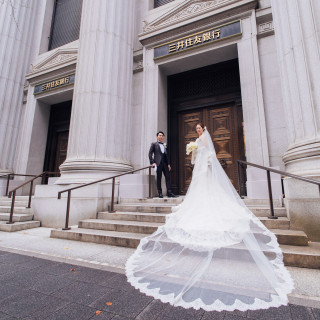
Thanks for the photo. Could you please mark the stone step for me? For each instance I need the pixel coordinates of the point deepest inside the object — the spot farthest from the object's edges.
(122, 239)
(262, 202)
(259, 211)
(17, 217)
(281, 223)
(302, 257)
(18, 198)
(120, 226)
(265, 211)
(291, 237)
(288, 237)
(17, 209)
(133, 216)
(7, 203)
(18, 226)
(298, 256)
(147, 208)
(166, 200)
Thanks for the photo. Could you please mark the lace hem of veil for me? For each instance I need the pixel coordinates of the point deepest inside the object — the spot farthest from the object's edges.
(277, 300)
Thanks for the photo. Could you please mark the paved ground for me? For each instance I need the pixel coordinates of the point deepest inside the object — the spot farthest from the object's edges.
(37, 242)
(34, 288)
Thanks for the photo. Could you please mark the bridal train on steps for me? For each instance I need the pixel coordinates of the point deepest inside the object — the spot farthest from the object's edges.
(213, 252)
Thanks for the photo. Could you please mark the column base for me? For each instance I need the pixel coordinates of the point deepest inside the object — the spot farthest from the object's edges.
(85, 203)
(303, 158)
(304, 215)
(85, 171)
(303, 198)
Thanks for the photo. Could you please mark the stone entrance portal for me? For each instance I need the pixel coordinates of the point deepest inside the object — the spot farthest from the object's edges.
(212, 95)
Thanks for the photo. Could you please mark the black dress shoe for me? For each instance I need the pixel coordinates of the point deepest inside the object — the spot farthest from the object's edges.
(171, 195)
(160, 195)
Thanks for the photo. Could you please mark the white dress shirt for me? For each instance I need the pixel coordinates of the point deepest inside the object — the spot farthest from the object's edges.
(161, 147)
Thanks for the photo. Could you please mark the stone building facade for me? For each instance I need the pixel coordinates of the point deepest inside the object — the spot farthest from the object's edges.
(90, 108)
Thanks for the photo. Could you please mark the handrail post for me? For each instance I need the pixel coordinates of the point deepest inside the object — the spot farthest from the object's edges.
(30, 194)
(68, 212)
(282, 187)
(43, 178)
(8, 181)
(12, 208)
(270, 197)
(150, 183)
(112, 196)
(239, 179)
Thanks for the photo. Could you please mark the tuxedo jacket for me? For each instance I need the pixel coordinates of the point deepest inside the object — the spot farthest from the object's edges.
(155, 154)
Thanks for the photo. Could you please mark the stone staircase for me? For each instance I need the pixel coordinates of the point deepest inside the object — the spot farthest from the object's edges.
(22, 216)
(136, 218)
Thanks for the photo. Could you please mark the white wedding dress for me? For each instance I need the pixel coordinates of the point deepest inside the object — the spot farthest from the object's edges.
(212, 252)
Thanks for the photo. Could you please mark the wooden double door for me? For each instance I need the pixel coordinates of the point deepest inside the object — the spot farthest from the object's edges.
(225, 124)
(58, 135)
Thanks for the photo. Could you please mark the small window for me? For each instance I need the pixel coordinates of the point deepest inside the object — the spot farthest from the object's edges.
(66, 21)
(159, 3)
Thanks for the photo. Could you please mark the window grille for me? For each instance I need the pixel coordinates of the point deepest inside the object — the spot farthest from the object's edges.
(158, 3)
(66, 21)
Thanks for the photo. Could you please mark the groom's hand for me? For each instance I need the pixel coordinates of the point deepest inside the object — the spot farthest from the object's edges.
(169, 167)
(153, 164)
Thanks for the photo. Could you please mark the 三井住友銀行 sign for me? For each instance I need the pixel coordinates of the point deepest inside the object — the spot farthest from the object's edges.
(54, 84)
(198, 39)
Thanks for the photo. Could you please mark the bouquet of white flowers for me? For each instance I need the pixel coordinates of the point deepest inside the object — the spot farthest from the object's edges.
(191, 146)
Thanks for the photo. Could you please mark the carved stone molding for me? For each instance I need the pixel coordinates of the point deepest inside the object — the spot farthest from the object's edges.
(239, 11)
(138, 60)
(265, 29)
(137, 66)
(186, 10)
(59, 58)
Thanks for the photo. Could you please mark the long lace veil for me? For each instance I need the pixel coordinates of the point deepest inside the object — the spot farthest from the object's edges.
(213, 252)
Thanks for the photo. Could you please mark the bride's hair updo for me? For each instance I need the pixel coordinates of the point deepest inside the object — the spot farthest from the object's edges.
(201, 125)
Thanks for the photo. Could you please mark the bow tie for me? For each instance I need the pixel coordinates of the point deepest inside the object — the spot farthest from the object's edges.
(160, 142)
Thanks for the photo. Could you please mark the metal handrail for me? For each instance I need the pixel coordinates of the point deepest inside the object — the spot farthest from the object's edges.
(12, 193)
(97, 181)
(8, 175)
(282, 173)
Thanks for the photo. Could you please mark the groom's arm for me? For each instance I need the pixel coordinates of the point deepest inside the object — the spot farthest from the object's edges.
(168, 159)
(151, 153)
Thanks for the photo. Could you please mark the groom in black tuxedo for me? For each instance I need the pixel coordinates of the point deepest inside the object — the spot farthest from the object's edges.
(159, 158)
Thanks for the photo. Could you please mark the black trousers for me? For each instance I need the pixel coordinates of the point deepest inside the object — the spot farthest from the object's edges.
(163, 168)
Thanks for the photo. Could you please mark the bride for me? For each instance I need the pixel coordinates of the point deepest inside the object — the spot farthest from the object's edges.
(213, 252)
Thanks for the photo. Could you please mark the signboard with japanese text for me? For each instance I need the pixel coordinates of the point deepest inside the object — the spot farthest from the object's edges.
(54, 84)
(198, 39)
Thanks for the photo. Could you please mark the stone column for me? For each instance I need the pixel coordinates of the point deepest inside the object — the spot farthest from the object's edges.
(297, 28)
(100, 121)
(253, 107)
(17, 28)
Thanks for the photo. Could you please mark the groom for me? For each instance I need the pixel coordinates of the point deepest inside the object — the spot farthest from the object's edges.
(158, 157)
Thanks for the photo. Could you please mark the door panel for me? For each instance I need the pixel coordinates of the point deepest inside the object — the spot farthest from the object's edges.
(187, 133)
(61, 151)
(222, 128)
(225, 126)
